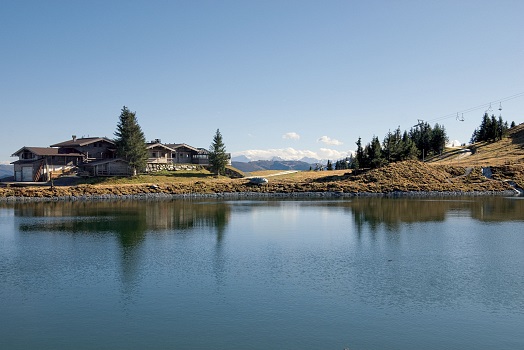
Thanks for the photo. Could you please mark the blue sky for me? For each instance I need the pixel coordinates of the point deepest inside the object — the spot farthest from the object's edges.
(286, 78)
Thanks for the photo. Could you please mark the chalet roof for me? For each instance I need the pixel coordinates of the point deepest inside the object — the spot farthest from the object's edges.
(151, 145)
(174, 146)
(45, 151)
(83, 141)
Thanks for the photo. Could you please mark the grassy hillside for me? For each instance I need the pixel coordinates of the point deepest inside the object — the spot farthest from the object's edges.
(508, 151)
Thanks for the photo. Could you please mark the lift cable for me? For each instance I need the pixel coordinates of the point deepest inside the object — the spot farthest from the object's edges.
(486, 106)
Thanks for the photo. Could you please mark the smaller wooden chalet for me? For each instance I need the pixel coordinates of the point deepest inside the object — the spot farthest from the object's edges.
(185, 154)
(164, 156)
(38, 163)
(159, 153)
(160, 156)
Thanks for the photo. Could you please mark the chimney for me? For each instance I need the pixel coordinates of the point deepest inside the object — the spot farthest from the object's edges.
(74, 137)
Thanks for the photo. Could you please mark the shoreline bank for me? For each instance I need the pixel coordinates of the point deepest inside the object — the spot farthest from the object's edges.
(405, 179)
(258, 195)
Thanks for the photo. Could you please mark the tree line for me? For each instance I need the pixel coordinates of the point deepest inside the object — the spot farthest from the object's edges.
(491, 129)
(420, 142)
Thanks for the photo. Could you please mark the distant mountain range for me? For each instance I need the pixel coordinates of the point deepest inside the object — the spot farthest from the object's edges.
(241, 158)
(6, 170)
(274, 164)
(244, 159)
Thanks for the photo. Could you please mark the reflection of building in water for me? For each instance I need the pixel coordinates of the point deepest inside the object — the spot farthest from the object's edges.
(124, 217)
(183, 215)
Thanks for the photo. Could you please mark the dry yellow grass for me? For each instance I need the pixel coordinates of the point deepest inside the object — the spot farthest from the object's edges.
(403, 176)
(508, 151)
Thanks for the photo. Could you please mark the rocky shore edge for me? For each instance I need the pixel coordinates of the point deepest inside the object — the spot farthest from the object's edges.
(256, 195)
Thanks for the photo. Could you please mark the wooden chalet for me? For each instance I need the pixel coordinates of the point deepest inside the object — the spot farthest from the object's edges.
(165, 156)
(185, 154)
(38, 163)
(93, 148)
(159, 153)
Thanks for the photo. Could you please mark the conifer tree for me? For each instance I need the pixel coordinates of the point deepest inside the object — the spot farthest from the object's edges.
(392, 146)
(438, 139)
(218, 158)
(360, 156)
(130, 141)
(375, 155)
(409, 149)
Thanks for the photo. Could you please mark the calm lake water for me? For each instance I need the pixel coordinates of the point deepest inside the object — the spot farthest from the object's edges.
(368, 273)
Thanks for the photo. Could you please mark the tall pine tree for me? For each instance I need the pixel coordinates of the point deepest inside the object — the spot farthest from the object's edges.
(218, 158)
(130, 141)
(360, 161)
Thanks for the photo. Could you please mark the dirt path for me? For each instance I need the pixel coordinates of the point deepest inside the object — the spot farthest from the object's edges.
(276, 174)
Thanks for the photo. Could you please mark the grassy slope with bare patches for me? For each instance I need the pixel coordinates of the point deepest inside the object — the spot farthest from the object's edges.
(403, 176)
(508, 151)
(505, 157)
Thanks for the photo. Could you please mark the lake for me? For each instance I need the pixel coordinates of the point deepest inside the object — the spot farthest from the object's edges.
(365, 273)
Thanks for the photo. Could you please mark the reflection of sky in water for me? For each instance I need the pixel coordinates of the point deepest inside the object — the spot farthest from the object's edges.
(6, 212)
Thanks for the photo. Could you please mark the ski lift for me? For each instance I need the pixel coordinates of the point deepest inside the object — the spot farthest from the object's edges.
(461, 118)
(500, 109)
(489, 109)
(419, 123)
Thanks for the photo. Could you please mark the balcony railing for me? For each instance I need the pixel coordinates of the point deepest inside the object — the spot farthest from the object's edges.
(160, 160)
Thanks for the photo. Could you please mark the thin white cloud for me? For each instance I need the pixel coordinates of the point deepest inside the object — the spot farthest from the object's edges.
(291, 136)
(326, 153)
(329, 141)
(293, 154)
(5, 162)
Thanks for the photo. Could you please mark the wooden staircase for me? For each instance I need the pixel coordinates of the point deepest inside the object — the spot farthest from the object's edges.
(39, 173)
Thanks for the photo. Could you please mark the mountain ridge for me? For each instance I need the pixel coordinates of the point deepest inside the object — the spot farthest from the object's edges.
(6, 170)
(274, 164)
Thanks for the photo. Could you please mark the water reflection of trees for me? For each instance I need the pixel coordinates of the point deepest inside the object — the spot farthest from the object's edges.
(130, 220)
(393, 212)
(498, 209)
